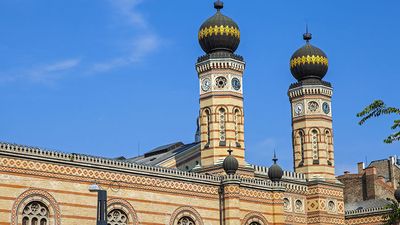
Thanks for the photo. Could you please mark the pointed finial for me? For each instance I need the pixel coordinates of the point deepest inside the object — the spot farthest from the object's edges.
(218, 5)
(230, 150)
(307, 36)
(275, 159)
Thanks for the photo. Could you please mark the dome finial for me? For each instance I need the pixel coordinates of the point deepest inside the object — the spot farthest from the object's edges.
(307, 36)
(275, 159)
(230, 163)
(218, 5)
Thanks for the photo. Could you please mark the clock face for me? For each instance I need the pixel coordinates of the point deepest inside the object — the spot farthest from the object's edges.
(206, 84)
(326, 108)
(298, 108)
(236, 84)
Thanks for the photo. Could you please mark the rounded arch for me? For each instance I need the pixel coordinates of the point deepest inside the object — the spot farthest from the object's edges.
(35, 195)
(185, 211)
(126, 207)
(310, 132)
(217, 112)
(254, 217)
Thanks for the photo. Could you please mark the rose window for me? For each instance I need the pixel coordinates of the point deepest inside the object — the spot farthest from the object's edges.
(35, 213)
(186, 221)
(117, 217)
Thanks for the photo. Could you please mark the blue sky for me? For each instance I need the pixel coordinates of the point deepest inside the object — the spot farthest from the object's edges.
(104, 77)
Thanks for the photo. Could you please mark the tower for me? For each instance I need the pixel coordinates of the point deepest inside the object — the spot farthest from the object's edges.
(310, 100)
(220, 74)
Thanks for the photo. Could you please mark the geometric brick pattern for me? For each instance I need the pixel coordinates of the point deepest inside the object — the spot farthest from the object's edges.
(370, 220)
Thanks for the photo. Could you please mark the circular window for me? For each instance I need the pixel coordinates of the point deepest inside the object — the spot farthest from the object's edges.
(331, 206)
(286, 204)
(220, 82)
(299, 205)
(313, 106)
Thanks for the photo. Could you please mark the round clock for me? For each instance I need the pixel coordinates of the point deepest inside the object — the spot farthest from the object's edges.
(326, 108)
(298, 108)
(206, 84)
(236, 84)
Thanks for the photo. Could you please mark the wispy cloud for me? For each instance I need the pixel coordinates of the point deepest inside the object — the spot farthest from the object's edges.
(128, 10)
(44, 74)
(141, 45)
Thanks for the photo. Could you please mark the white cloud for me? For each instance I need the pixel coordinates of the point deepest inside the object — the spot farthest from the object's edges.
(128, 10)
(141, 45)
(45, 74)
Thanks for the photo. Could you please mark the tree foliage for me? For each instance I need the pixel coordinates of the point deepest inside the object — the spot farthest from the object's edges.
(392, 218)
(376, 109)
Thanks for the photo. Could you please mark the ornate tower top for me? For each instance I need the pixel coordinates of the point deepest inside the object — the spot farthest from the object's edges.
(219, 32)
(308, 62)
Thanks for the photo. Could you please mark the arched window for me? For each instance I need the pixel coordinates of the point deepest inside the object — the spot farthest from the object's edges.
(35, 213)
(236, 121)
(314, 144)
(208, 124)
(301, 137)
(186, 221)
(255, 223)
(328, 143)
(117, 217)
(222, 127)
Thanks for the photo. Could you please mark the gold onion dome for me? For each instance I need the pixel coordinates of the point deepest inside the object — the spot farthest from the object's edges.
(308, 62)
(219, 32)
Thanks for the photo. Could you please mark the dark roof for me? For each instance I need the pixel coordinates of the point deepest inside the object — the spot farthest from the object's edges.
(162, 153)
(368, 204)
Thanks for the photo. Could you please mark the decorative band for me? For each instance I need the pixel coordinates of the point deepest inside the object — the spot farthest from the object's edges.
(314, 59)
(219, 30)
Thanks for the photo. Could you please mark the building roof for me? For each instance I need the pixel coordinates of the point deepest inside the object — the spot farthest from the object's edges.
(162, 153)
(368, 204)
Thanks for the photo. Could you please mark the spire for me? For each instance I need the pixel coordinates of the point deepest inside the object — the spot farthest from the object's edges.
(275, 159)
(218, 5)
(307, 36)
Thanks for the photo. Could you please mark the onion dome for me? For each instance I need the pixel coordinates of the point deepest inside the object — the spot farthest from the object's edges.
(275, 172)
(230, 164)
(397, 193)
(308, 62)
(219, 32)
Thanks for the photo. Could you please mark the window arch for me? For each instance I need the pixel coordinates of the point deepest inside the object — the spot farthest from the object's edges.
(35, 213)
(207, 121)
(222, 126)
(254, 218)
(37, 207)
(301, 142)
(121, 212)
(328, 144)
(185, 215)
(186, 220)
(314, 145)
(236, 120)
(117, 217)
